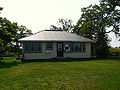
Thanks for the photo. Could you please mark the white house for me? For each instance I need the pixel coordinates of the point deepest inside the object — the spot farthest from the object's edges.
(48, 44)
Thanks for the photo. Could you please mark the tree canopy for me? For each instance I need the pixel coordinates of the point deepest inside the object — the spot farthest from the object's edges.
(95, 21)
(10, 33)
(63, 24)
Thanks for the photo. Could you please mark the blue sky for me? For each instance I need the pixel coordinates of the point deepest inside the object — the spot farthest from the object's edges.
(38, 15)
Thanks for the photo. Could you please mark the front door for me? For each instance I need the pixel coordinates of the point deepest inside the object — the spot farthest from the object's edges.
(59, 49)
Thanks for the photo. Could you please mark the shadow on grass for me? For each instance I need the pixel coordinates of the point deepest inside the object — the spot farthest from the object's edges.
(9, 64)
(70, 59)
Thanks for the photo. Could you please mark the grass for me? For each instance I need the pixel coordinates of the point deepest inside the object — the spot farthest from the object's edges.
(115, 50)
(75, 74)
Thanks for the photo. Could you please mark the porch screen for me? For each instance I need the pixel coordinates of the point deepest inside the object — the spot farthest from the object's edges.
(32, 47)
(78, 47)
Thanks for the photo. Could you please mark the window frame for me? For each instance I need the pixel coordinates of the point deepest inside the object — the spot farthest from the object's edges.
(26, 44)
(47, 46)
(81, 45)
(38, 44)
(33, 47)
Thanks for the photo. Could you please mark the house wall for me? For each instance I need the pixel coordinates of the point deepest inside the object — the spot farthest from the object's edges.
(86, 54)
(43, 55)
(53, 53)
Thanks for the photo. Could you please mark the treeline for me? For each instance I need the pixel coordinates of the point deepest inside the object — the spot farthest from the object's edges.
(94, 23)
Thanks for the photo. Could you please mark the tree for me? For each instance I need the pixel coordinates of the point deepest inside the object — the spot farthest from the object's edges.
(9, 35)
(1, 8)
(22, 32)
(94, 22)
(64, 24)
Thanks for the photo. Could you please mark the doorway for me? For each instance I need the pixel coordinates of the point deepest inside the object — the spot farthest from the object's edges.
(59, 49)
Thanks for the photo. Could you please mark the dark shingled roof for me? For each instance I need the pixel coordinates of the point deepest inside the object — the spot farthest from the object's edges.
(53, 35)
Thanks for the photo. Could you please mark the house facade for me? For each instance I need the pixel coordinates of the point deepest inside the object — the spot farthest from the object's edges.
(50, 44)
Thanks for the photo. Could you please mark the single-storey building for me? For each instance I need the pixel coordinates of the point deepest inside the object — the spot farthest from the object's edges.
(48, 44)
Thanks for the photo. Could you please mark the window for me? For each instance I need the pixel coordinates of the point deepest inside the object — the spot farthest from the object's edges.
(60, 47)
(36, 47)
(39, 48)
(32, 47)
(78, 47)
(49, 46)
(26, 47)
(67, 47)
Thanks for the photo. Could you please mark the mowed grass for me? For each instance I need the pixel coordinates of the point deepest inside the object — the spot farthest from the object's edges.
(78, 75)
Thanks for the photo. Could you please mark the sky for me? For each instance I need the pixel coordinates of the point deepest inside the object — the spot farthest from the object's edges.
(38, 15)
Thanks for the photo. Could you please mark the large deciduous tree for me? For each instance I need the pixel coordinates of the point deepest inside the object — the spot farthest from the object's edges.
(9, 35)
(95, 21)
(21, 32)
(63, 24)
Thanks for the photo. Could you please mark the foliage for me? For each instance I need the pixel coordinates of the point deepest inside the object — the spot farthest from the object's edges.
(22, 32)
(86, 75)
(1, 8)
(94, 22)
(9, 35)
(64, 24)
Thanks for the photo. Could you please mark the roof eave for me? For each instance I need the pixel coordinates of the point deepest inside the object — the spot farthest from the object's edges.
(55, 41)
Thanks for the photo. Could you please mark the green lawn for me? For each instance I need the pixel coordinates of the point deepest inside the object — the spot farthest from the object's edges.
(84, 75)
(114, 50)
